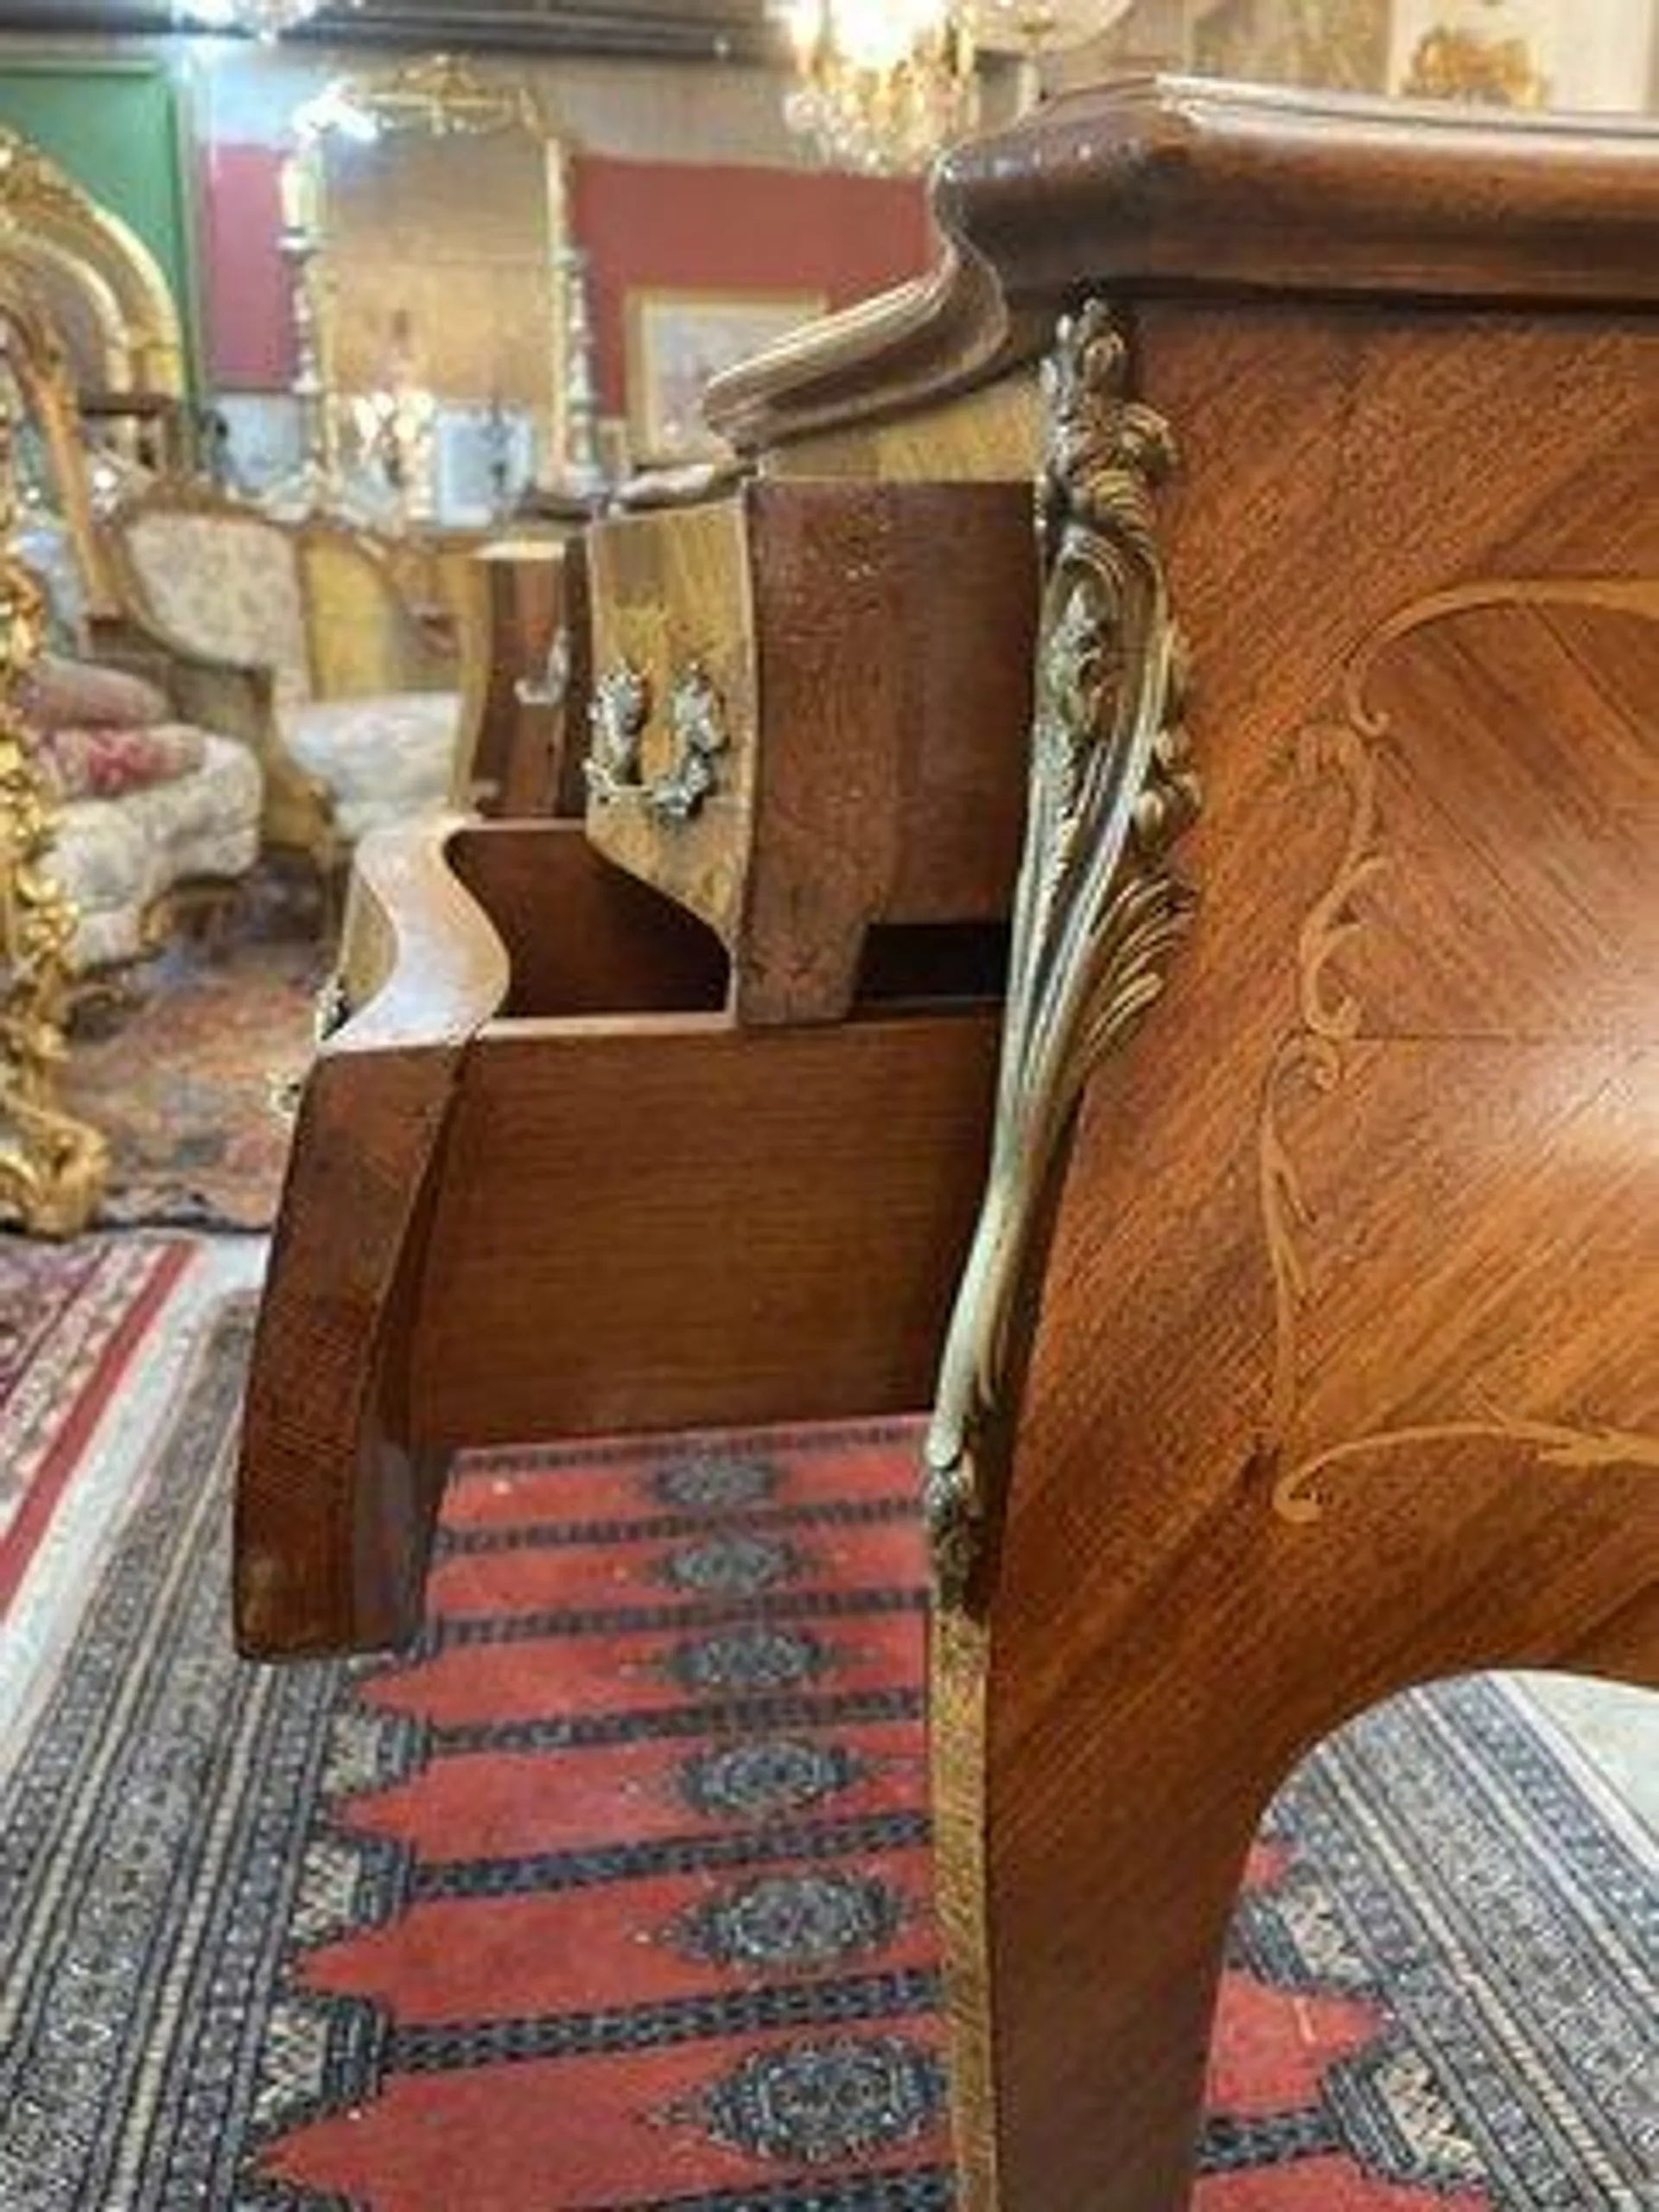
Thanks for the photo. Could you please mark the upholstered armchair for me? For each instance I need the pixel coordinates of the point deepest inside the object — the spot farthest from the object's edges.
(295, 638)
(119, 797)
(112, 814)
(148, 808)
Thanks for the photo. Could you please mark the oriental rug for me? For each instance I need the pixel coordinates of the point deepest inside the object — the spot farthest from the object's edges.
(72, 1316)
(190, 1072)
(615, 1892)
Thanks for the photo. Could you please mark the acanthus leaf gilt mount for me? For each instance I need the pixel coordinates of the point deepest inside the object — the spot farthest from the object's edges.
(1098, 907)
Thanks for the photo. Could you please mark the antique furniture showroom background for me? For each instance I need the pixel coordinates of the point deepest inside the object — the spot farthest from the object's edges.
(829, 1171)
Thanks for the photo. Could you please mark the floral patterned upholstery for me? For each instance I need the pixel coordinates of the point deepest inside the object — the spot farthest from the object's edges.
(57, 694)
(116, 857)
(226, 585)
(381, 760)
(144, 803)
(108, 762)
(363, 708)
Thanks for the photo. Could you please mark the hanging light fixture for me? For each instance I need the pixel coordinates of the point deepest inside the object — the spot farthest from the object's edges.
(1031, 29)
(265, 19)
(882, 86)
(881, 83)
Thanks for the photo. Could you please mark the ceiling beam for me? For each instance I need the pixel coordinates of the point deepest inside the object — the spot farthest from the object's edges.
(734, 32)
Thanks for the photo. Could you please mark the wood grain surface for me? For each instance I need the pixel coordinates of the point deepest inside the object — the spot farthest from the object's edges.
(524, 745)
(892, 771)
(874, 772)
(1188, 183)
(581, 936)
(660, 1221)
(512, 1205)
(336, 1497)
(1347, 1370)
(1164, 182)
(896, 358)
(1346, 1363)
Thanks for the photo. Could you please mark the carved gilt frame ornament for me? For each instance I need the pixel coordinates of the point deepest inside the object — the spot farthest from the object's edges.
(56, 229)
(1097, 909)
(1318, 1054)
(51, 1167)
(436, 97)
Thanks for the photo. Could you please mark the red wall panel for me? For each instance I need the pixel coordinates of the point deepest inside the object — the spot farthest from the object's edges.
(250, 313)
(646, 224)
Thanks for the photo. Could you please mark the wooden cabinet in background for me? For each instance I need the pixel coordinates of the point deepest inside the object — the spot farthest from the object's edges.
(528, 676)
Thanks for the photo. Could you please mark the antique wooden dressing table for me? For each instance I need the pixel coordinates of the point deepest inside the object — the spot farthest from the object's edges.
(1308, 1345)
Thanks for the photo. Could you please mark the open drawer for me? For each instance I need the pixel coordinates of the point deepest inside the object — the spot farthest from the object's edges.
(543, 1185)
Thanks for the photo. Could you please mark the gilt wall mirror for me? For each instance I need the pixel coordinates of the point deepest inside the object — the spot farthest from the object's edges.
(438, 306)
(107, 299)
(55, 532)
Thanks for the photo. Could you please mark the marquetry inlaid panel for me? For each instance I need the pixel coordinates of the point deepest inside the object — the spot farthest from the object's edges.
(1483, 958)
(1347, 1367)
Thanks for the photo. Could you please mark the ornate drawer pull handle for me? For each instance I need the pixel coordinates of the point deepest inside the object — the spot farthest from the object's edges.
(620, 715)
(700, 732)
(620, 710)
(331, 1009)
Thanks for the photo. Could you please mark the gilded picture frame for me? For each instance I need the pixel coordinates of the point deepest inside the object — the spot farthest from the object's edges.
(676, 340)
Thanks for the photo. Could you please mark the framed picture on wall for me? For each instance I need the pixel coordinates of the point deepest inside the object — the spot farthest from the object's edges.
(676, 341)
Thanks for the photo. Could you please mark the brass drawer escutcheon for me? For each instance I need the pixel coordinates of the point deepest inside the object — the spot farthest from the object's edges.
(618, 716)
(621, 715)
(699, 726)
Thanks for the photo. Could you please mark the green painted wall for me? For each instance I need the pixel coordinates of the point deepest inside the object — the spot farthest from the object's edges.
(116, 128)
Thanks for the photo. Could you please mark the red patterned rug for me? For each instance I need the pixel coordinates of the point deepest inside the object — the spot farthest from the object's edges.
(71, 1318)
(189, 1071)
(614, 1895)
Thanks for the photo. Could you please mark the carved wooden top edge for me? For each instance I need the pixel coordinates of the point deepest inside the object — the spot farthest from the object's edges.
(1168, 182)
(912, 348)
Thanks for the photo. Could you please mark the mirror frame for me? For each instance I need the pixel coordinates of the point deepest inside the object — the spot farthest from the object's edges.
(49, 223)
(434, 96)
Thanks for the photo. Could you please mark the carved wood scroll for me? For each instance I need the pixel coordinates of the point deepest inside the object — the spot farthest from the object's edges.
(1097, 907)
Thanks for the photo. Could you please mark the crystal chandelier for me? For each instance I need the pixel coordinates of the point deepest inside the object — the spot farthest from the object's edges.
(259, 18)
(883, 85)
